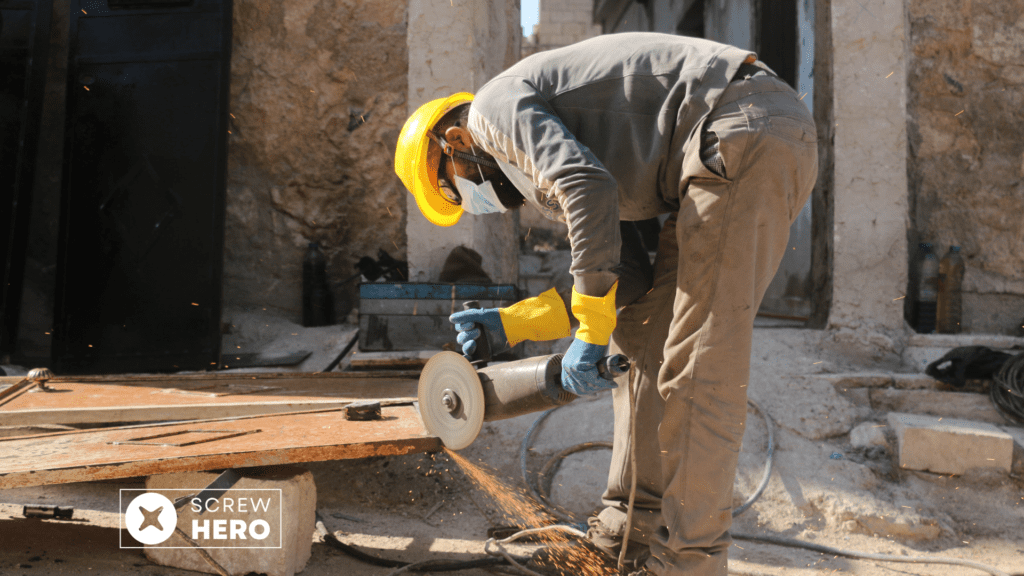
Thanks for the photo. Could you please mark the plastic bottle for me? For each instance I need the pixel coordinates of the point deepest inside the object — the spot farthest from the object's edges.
(316, 293)
(950, 302)
(928, 290)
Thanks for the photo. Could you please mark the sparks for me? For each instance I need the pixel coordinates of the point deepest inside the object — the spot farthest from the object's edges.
(958, 113)
(891, 73)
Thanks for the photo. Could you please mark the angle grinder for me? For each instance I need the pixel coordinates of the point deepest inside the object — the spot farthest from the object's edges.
(458, 394)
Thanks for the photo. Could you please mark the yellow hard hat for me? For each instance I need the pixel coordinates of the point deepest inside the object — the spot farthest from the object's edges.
(416, 163)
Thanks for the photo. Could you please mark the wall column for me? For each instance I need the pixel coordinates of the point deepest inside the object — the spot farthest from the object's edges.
(456, 46)
(870, 48)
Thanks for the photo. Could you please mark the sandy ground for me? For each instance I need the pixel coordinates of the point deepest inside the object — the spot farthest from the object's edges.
(423, 506)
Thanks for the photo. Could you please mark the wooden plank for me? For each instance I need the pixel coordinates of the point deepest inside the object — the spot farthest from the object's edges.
(130, 401)
(268, 440)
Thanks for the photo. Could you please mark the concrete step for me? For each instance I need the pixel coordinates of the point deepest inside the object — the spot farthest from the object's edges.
(964, 405)
(923, 349)
(949, 446)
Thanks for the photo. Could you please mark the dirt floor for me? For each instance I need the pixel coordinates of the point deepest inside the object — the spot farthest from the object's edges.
(822, 490)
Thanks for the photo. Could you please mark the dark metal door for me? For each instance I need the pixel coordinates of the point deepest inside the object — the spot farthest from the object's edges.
(24, 42)
(142, 220)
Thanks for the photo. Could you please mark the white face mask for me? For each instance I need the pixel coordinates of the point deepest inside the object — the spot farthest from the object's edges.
(479, 198)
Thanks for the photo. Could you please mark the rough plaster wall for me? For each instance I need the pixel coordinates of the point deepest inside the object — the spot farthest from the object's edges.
(318, 97)
(456, 46)
(966, 168)
(869, 75)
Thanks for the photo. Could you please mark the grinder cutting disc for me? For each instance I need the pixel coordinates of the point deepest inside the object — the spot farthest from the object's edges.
(451, 400)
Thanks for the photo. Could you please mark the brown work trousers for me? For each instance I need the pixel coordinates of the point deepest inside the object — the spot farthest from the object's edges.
(690, 336)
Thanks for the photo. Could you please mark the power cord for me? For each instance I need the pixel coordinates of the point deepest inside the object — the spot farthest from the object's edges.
(427, 566)
(768, 539)
(551, 465)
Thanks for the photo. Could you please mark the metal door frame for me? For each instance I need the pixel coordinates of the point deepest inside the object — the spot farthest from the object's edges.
(13, 273)
(78, 12)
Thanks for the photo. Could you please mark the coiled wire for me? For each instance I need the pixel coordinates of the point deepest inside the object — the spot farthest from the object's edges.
(1007, 390)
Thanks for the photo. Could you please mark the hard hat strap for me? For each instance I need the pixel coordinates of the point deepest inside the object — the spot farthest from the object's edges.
(451, 151)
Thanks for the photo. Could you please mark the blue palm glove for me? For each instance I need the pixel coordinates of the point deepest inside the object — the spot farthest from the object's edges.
(490, 318)
(579, 368)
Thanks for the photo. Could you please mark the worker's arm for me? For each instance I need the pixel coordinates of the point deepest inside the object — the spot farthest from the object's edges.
(516, 124)
(539, 318)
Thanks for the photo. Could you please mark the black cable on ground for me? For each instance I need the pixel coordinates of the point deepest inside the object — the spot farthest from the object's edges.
(1007, 390)
(782, 541)
(1012, 374)
(439, 566)
(547, 471)
(550, 468)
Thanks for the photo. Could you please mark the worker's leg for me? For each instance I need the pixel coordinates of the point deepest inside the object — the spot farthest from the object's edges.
(640, 333)
(731, 232)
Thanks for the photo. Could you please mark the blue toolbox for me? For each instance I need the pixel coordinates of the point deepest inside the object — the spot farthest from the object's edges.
(404, 316)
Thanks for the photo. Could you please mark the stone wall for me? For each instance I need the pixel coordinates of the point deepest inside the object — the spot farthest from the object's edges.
(488, 41)
(318, 97)
(966, 167)
(562, 22)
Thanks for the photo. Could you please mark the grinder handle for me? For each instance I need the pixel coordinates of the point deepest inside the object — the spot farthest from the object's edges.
(483, 345)
(612, 366)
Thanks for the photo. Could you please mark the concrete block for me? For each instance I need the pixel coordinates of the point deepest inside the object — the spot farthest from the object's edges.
(963, 405)
(867, 434)
(949, 446)
(950, 341)
(859, 380)
(1018, 447)
(295, 524)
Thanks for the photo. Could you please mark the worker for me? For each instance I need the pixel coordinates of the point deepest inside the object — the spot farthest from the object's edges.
(599, 134)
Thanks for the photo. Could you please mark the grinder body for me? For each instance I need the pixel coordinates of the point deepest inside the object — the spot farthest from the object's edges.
(524, 386)
(455, 398)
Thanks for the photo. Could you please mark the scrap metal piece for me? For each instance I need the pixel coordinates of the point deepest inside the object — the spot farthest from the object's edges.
(451, 400)
(47, 511)
(41, 376)
(363, 411)
(15, 390)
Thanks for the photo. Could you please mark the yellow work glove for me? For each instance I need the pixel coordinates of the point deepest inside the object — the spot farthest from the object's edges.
(596, 315)
(539, 318)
